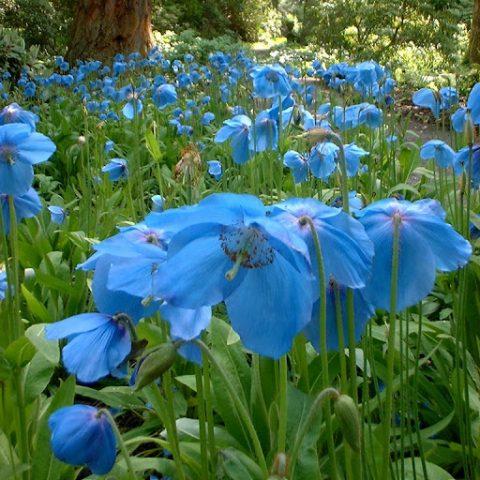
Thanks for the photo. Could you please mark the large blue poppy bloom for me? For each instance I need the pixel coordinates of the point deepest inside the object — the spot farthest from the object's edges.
(234, 253)
(83, 435)
(26, 205)
(473, 103)
(237, 130)
(116, 168)
(270, 81)
(426, 244)
(436, 101)
(337, 297)
(20, 149)
(346, 250)
(438, 150)
(353, 155)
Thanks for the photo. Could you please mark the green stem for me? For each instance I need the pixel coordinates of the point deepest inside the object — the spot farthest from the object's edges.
(202, 424)
(282, 421)
(209, 411)
(121, 444)
(15, 268)
(241, 409)
(385, 472)
(323, 344)
(22, 422)
(326, 394)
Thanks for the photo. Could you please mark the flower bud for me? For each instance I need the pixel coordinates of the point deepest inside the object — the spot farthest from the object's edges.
(469, 129)
(81, 140)
(349, 420)
(155, 364)
(280, 466)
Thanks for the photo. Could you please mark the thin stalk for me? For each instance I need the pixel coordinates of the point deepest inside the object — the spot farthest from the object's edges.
(241, 409)
(15, 268)
(282, 421)
(209, 411)
(385, 471)
(121, 444)
(202, 424)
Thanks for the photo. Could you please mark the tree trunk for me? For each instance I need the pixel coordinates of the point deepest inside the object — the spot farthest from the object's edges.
(102, 28)
(474, 49)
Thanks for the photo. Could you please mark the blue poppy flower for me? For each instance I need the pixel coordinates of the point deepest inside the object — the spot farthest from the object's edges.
(3, 284)
(438, 150)
(26, 205)
(238, 255)
(83, 435)
(473, 103)
(458, 119)
(427, 243)
(132, 108)
(349, 117)
(347, 252)
(355, 202)
(237, 130)
(298, 164)
(427, 98)
(322, 159)
(215, 169)
(13, 113)
(353, 154)
(116, 169)
(57, 214)
(164, 95)
(266, 133)
(336, 296)
(109, 146)
(20, 149)
(371, 116)
(207, 118)
(270, 81)
(448, 96)
(462, 163)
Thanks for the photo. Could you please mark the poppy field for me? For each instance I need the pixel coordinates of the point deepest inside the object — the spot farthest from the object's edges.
(227, 268)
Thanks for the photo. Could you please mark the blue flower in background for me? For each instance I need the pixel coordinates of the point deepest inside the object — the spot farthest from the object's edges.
(266, 133)
(322, 160)
(462, 163)
(20, 149)
(270, 81)
(428, 98)
(427, 244)
(83, 435)
(234, 253)
(355, 202)
(57, 214)
(473, 103)
(336, 295)
(215, 169)
(438, 150)
(116, 169)
(449, 97)
(371, 116)
(164, 95)
(13, 113)
(3, 283)
(27, 205)
(353, 155)
(207, 118)
(109, 146)
(298, 164)
(132, 108)
(237, 130)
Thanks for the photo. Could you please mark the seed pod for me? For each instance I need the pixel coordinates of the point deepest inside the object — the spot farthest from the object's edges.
(469, 129)
(280, 466)
(155, 364)
(349, 420)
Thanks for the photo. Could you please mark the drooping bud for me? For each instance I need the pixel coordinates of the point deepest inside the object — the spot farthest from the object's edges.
(155, 364)
(469, 129)
(349, 420)
(317, 135)
(190, 164)
(81, 140)
(280, 466)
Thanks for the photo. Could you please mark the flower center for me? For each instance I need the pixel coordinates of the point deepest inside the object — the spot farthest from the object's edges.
(7, 154)
(246, 246)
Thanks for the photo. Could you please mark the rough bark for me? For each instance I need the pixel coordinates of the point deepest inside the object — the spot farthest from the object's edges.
(474, 50)
(103, 28)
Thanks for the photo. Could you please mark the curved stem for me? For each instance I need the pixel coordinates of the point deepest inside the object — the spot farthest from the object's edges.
(328, 393)
(242, 410)
(121, 444)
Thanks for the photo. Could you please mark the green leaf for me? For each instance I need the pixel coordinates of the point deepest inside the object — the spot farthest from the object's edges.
(38, 374)
(35, 307)
(416, 473)
(44, 465)
(238, 466)
(117, 397)
(20, 352)
(48, 348)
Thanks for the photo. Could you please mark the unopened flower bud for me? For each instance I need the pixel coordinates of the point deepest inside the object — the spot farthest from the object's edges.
(469, 129)
(155, 364)
(81, 140)
(349, 420)
(280, 466)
